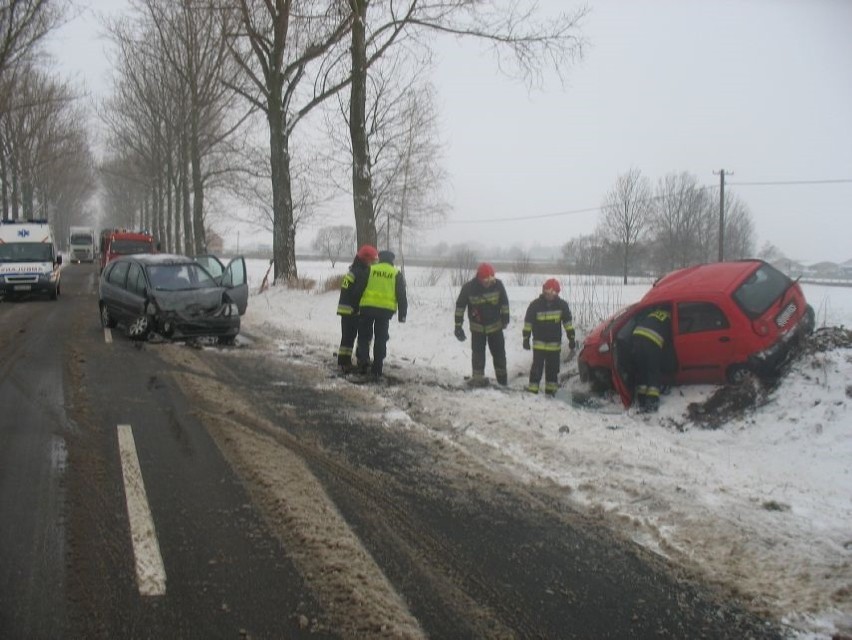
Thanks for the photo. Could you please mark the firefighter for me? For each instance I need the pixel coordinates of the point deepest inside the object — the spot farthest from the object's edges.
(650, 336)
(383, 293)
(347, 306)
(487, 306)
(545, 320)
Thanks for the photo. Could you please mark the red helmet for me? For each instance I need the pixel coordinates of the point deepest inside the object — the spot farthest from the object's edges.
(485, 270)
(552, 284)
(367, 253)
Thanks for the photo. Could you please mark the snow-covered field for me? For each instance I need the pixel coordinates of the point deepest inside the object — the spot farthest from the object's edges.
(763, 504)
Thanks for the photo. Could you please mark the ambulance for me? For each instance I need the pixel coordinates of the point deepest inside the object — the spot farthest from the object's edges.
(29, 262)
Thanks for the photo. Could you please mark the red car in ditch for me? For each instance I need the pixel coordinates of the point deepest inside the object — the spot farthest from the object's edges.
(728, 319)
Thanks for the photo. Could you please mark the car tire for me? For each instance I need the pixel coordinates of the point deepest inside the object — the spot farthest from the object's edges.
(809, 320)
(738, 373)
(139, 328)
(226, 340)
(107, 321)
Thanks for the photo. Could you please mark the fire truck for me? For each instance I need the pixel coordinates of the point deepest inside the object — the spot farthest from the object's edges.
(119, 242)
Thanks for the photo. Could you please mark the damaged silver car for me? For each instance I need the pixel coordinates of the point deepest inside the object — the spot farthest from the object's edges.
(174, 296)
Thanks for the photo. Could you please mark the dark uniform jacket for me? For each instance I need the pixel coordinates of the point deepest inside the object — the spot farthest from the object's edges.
(350, 289)
(655, 326)
(487, 307)
(545, 320)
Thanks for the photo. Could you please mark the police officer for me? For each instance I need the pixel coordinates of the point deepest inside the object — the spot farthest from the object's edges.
(487, 306)
(544, 321)
(650, 336)
(347, 306)
(383, 294)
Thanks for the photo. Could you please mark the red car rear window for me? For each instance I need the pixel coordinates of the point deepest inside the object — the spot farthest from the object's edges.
(760, 290)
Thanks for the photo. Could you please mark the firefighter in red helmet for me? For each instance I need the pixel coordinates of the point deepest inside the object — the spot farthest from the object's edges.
(546, 318)
(348, 304)
(487, 304)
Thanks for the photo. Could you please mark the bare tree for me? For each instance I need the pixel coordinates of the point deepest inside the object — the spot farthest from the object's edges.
(739, 228)
(405, 153)
(44, 156)
(522, 268)
(463, 264)
(583, 255)
(679, 204)
(626, 213)
(333, 242)
(277, 45)
(525, 45)
(193, 43)
(23, 25)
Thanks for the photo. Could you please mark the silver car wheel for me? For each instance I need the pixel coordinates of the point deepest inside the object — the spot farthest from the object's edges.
(138, 329)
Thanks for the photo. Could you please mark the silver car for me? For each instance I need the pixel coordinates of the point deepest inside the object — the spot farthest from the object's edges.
(174, 296)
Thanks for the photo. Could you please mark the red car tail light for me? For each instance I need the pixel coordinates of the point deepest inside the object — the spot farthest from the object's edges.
(760, 327)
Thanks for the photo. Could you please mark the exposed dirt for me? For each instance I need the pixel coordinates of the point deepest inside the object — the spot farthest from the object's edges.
(732, 402)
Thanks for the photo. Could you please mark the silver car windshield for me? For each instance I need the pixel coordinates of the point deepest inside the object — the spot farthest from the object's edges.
(179, 277)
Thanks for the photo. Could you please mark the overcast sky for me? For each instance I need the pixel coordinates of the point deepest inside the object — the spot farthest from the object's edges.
(760, 88)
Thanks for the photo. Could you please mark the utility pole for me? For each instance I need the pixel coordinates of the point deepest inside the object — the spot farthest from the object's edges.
(721, 174)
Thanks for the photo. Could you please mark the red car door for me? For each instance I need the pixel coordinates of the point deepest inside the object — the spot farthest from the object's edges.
(703, 341)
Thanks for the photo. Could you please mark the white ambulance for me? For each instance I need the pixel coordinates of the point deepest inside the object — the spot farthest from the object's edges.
(29, 262)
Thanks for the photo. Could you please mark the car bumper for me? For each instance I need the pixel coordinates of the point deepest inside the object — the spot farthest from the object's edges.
(24, 287)
(181, 328)
(769, 361)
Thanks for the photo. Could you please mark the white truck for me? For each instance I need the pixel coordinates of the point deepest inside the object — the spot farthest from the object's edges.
(29, 262)
(81, 244)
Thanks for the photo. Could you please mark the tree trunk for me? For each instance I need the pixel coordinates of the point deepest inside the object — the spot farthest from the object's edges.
(199, 239)
(362, 181)
(189, 245)
(15, 186)
(171, 232)
(4, 177)
(283, 229)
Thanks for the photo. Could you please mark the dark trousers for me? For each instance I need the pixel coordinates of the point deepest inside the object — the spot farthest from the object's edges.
(497, 346)
(547, 362)
(370, 327)
(348, 334)
(648, 360)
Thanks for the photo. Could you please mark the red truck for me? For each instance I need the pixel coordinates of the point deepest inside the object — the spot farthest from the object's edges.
(119, 242)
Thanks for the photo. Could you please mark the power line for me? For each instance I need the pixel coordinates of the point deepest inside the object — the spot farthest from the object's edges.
(572, 212)
(535, 217)
(783, 182)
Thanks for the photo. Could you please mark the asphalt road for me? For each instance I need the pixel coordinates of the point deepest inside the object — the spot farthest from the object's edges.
(280, 507)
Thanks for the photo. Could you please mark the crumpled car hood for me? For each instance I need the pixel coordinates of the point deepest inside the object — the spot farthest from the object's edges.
(191, 303)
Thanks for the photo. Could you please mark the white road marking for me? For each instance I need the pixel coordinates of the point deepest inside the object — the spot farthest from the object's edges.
(150, 572)
(107, 336)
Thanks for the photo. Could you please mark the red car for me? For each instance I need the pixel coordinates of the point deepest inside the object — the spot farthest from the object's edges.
(728, 319)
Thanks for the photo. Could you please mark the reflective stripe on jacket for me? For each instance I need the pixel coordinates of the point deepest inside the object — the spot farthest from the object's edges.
(487, 307)
(545, 320)
(654, 326)
(351, 287)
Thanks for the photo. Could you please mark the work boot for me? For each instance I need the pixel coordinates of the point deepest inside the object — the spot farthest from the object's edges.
(502, 377)
(478, 380)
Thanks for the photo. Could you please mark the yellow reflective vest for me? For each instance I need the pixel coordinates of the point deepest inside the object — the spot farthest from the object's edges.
(380, 292)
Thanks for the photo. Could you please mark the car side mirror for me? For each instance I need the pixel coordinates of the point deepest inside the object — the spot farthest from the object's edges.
(59, 259)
